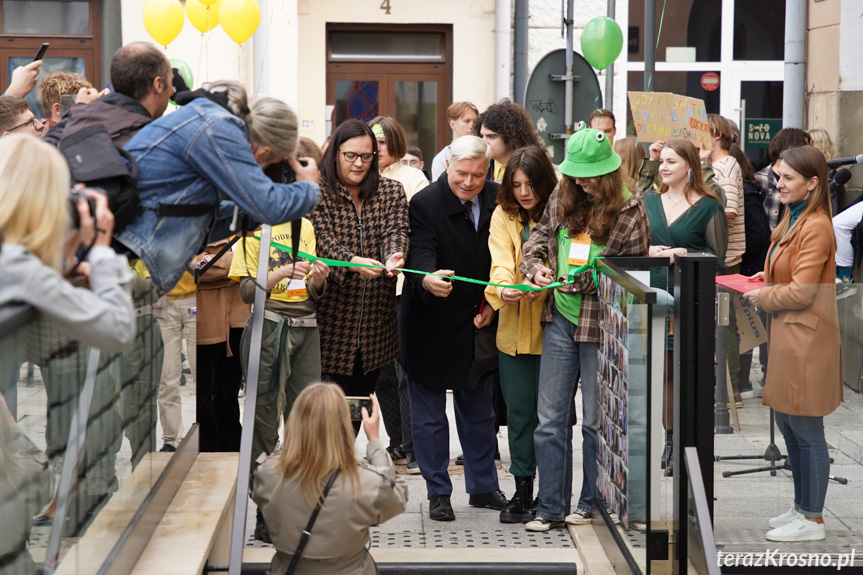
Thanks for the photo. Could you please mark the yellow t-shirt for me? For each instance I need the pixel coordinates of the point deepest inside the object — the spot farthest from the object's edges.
(185, 286)
(499, 170)
(245, 262)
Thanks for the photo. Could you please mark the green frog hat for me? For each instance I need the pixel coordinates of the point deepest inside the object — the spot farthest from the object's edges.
(589, 154)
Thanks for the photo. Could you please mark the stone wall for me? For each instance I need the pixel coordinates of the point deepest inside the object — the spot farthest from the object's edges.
(834, 77)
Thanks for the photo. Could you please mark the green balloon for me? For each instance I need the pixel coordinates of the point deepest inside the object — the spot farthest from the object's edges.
(185, 71)
(601, 42)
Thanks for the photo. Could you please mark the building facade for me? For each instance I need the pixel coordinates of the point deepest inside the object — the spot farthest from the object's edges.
(333, 59)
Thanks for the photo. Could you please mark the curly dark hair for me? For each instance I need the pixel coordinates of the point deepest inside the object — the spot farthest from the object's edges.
(511, 122)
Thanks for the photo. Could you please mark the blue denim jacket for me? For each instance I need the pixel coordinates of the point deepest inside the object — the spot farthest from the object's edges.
(200, 155)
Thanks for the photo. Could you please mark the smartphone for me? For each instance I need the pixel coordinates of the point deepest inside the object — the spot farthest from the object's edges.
(41, 53)
(355, 406)
(66, 103)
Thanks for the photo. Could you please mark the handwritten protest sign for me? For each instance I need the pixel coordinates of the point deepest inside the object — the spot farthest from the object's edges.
(667, 116)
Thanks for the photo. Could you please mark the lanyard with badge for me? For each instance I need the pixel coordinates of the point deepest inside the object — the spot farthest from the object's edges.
(579, 249)
(295, 287)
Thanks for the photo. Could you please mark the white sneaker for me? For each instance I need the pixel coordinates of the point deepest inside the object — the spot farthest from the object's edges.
(781, 520)
(798, 529)
(540, 524)
(580, 517)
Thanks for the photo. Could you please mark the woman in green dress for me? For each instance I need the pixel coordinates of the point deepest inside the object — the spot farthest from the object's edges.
(684, 217)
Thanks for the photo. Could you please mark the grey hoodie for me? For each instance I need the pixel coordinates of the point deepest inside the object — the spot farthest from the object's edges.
(101, 317)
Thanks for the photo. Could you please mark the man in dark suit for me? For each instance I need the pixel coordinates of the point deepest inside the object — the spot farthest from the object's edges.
(449, 235)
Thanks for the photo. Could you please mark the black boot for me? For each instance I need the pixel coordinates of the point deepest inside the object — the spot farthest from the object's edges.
(261, 531)
(518, 509)
(669, 449)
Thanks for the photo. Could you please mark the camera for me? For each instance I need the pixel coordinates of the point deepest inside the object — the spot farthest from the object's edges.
(74, 196)
(282, 172)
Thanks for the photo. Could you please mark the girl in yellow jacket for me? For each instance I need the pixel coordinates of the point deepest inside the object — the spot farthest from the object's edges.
(527, 184)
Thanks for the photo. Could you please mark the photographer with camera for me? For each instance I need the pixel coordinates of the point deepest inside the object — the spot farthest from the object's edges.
(38, 244)
(317, 472)
(201, 162)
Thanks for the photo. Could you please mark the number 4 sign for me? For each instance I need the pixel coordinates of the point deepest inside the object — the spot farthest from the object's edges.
(385, 6)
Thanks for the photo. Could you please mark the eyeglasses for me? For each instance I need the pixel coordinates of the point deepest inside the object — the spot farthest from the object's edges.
(33, 121)
(411, 163)
(352, 156)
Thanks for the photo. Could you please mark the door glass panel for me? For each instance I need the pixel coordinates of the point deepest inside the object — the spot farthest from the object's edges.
(46, 18)
(356, 99)
(377, 46)
(49, 66)
(759, 29)
(416, 109)
(697, 24)
(763, 102)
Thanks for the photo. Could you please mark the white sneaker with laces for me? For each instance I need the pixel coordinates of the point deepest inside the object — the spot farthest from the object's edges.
(781, 520)
(798, 529)
(580, 517)
(540, 524)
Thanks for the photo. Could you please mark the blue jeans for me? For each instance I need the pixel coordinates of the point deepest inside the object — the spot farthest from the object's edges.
(562, 360)
(809, 460)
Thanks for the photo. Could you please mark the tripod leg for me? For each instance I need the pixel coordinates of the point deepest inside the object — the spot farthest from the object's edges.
(770, 468)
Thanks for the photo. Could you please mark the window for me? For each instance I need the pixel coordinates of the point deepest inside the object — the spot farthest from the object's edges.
(402, 71)
(72, 27)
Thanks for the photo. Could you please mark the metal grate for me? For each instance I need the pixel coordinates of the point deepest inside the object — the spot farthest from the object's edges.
(516, 537)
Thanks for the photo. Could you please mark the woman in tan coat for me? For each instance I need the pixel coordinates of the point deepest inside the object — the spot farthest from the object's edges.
(804, 373)
(319, 441)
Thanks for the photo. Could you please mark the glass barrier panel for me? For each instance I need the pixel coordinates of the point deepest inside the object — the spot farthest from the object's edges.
(789, 425)
(630, 363)
(43, 375)
(701, 548)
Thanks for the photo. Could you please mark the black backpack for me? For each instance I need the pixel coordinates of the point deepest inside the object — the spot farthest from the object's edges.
(95, 161)
(757, 227)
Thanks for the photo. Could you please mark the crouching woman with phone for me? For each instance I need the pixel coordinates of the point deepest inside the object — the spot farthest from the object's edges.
(804, 370)
(317, 499)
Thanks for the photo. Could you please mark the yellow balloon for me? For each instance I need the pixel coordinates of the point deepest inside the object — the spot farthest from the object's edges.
(202, 16)
(240, 18)
(163, 20)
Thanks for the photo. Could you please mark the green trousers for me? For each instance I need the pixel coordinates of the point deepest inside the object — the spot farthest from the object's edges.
(290, 361)
(519, 383)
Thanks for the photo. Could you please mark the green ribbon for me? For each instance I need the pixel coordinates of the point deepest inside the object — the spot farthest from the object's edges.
(521, 287)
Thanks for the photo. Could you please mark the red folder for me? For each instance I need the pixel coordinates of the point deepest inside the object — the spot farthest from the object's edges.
(739, 283)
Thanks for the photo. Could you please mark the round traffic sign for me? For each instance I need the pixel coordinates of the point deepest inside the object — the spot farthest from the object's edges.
(710, 81)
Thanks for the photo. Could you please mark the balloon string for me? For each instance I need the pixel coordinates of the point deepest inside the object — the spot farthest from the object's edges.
(264, 59)
(658, 36)
(240, 63)
(200, 57)
(661, 20)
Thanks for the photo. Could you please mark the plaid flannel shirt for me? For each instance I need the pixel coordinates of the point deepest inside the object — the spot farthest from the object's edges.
(767, 179)
(629, 236)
